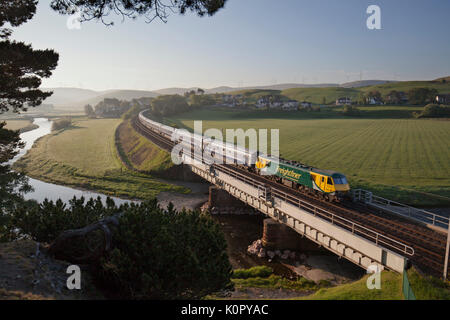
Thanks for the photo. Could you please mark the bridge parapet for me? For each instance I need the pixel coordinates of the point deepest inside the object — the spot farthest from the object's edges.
(432, 220)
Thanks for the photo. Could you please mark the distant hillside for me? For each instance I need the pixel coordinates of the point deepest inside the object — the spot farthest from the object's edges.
(76, 99)
(317, 95)
(443, 79)
(179, 91)
(364, 83)
(66, 96)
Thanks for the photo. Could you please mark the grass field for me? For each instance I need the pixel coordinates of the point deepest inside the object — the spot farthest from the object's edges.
(85, 156)
(22, 125)
(395, 156)
(316, 95)
(424, 288)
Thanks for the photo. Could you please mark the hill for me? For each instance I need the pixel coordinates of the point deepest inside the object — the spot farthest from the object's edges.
(67, 96)
(118, 94)
(364, 83)
(76, 99)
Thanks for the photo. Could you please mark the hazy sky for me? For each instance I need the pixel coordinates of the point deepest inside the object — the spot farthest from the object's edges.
(250, 42)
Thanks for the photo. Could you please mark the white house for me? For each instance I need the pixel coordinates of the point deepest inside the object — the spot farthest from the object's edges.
(305, 104)
(343, 101)
(290, 105)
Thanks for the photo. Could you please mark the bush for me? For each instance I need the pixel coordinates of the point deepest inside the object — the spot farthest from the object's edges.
(166, 255)
(434, 111)
(259, 271)
(157, 254)
(61, 123)
(44, 222)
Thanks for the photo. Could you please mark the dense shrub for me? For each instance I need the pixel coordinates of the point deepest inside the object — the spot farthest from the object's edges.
(44, 222)
(162, 254)
(166, 255)
(434, 111)
(61, 123)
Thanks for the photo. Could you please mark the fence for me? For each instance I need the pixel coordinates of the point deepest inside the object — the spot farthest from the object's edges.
(407, 290)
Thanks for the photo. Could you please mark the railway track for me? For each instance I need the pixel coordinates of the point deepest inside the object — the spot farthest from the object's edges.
(429, 246)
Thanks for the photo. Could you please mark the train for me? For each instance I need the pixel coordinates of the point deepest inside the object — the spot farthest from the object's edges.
(325, 184)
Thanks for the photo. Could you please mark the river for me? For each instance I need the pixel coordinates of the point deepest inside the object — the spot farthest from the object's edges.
(50, 191)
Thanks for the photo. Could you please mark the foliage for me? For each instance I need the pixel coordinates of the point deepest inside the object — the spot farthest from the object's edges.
(428, 287)
(201, 100)
(21, 67)
(166, 255)
(258, 271)
(111, 108)
(12, 184)
(277, 282)
(61, 124)
(434, 111)
(422, 95)
(156, 253)
(150, 9)
(44, 222)
(89, 111)
(134, 111)
(167, 105)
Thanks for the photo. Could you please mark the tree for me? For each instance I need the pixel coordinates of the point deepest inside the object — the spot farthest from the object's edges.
(21, 73)
(89, 111)
(150, 9)
(21, 67)
(422, 95)
(167, 105)
(165, 254)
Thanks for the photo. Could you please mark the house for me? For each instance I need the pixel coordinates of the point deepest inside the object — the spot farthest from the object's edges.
(443, 98)
(276, 104)
(262, 102)
(290, 105)
(343, 101)
(306, 104)
(374, 101)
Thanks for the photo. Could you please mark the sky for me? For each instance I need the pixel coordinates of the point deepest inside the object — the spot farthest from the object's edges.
(249, 43)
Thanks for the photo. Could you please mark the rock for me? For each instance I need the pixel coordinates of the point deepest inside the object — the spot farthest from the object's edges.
(270, 254)
(278, 253)
(284, 256)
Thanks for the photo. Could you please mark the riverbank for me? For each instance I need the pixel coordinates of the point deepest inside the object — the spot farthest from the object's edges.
(84, 156)
(21, 125)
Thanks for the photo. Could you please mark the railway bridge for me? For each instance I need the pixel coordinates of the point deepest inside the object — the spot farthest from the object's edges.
(358, 233)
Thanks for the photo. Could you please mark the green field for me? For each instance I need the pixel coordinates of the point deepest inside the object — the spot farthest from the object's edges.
(384, 150)
(85, 156)
(316, 95)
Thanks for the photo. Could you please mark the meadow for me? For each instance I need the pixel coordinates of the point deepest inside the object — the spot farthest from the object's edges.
(384, 150)
(330, 94)
(85, 156)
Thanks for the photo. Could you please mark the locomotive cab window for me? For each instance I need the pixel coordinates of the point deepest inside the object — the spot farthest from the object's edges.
(330, 182)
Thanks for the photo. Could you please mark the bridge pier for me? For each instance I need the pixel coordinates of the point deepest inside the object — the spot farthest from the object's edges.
(221, 202)
(277, 236)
